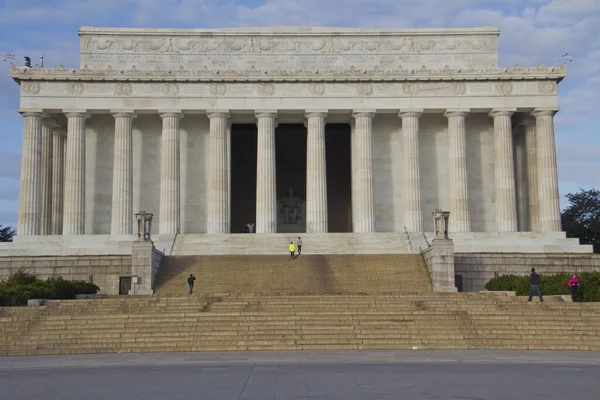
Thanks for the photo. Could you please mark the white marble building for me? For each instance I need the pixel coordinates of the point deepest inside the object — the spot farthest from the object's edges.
(210, 129)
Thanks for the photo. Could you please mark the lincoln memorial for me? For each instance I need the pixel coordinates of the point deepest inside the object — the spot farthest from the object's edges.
(295, 130)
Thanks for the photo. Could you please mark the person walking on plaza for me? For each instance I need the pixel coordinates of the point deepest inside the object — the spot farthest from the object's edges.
(534, 285)
(574, 287)
(292, 250)
(299, 245)
(191, 280)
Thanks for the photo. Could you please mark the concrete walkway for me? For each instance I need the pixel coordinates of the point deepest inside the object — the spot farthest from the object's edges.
(473, 375)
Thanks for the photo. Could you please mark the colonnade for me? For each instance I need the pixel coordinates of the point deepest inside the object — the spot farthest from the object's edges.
(52, 199)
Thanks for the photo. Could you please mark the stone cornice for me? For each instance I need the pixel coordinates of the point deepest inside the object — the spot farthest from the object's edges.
(293, 31)
(291, 75)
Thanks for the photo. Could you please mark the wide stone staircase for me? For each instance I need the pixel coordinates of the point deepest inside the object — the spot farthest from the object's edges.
(163, 323)
(312, 274)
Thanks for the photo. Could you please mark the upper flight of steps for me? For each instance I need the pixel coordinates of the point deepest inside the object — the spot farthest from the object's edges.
(313, 243)
(314, 274)
(270, 322)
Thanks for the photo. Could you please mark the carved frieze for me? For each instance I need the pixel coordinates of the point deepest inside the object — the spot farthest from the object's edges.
(266, 89)
(283, 89)
(31, 87)
(547, 87)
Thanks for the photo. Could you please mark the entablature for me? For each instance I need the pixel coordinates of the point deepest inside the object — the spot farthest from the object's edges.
(292, 75)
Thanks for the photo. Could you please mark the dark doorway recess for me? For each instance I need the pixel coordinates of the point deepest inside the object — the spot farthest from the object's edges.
(290, 160)
(243, 176)
(124, 285)
(339, 191)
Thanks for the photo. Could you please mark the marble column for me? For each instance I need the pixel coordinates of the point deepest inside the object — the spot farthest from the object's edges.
(46, 177)
(31, 171)
(547, 174)
(363, 211)
(266, 195)
(218, 174)
(411, 174)
(74, 195)
(531, 167)
(316, 173)
(169, 213)
(122, 195)
(457, 171)
(58, 179)
(504, 171)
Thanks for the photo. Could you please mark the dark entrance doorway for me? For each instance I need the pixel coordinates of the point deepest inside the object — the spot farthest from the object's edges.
(290, 164)
(339, 178)
(243, 176)
(124, 285)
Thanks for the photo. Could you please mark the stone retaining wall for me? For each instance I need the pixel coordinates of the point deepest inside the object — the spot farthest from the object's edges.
(106, 269)
(477, 269)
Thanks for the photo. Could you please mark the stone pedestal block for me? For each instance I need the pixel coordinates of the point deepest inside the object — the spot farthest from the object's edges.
(440, 263)
(145, 260)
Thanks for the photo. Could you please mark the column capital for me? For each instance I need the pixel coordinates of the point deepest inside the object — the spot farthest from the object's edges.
(123, 113)
(410, 112)
(544, 111)
(170, 114)
(218, 113)
(74, 113)
(502, 112)
(527, 121)
(50, 122)
(363, 113)
(456, 112)
(265, 113)
(316, 113)
(33, 112)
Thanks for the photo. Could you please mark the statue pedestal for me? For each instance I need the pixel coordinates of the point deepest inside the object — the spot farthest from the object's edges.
(291, 228)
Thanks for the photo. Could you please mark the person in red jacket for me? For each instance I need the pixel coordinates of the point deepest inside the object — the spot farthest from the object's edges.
(574, 286)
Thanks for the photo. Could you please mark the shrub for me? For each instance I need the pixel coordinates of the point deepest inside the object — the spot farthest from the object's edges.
(22, 286)
(589, 285)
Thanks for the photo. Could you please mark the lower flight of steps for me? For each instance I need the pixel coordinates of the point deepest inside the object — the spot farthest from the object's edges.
(284, 322)
(314, 274)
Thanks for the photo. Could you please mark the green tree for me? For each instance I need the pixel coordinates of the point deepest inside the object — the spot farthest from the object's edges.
(581, 219)
(6, 234)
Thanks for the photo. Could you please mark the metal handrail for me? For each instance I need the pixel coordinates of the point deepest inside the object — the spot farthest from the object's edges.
(173, 244)
(410, 246)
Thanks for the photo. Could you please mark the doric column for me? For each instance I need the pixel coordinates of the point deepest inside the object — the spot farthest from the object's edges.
(169, 213)
(531, 167)
(122, 195)
(504, 171)
(363, 212)
(48, 127)
(547, 174)
(316, 173)
(31, 170)
(411, 174)
(266, 205)
(74, 196)
(218, 174)
(58, 179)
(457, 170)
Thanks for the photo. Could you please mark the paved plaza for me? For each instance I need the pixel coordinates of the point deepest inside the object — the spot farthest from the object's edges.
(440, 375)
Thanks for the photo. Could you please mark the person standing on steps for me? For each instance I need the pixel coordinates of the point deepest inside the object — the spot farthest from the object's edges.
(292, 249)
(574, 287)
(191, 280)
(299, 245)
(534, 285)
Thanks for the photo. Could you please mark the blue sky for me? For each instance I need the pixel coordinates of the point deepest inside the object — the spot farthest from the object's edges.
(533, 32)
